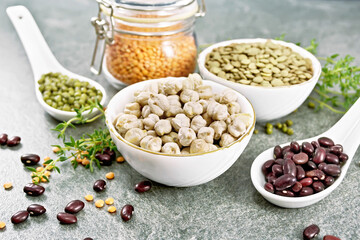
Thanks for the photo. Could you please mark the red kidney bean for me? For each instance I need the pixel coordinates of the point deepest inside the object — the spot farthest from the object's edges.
(36, 210)
(307, 148)
(297, 187)
(300, 172)
(13, 141)
(315, 174)
(279, 161)
(30, 159)
(311, 165)
(66, 218)
(127, 212)
(329, 180)
(269, 187)
(285, 149)
(278, 152)
(74, 206)
(285, 193)
(111, 153)
(271, 178)
(99, 185)
(332, 158)
(315, 144)
(285, 181)
(306, 182)
(326, 142)
(311, 232)
(3, 138)
(288, 155)
(277, 170)
(319, 156)
(295, 147)
(33, 190)
(321, 166)
(143, 186)
(343, 157)
(88, 238)
(267, 166)
(318, 186)
(19, 217)
(104, 159)
(336, 149)
(306, 191)
(289, 167)
(300, 158)
(332, 170)
(330, 237)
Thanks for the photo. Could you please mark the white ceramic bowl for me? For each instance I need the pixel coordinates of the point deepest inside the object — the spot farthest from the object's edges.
(170, 169)
(269, 103)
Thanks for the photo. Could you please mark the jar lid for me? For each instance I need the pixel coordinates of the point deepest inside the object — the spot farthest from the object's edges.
(151, 11)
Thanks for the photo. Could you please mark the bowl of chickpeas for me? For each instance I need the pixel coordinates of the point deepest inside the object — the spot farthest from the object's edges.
(180, 131)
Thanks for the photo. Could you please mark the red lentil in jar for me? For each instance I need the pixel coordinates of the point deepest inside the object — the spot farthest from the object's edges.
(147, 40)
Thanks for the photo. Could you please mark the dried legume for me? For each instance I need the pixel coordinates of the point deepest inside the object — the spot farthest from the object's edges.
(8, 186)
(110, 175)
(36, 210)
(109, 201)
(111, 209)
(19, 217)
(2, 225)
(74, 206)
(89, 198)
(99, 203)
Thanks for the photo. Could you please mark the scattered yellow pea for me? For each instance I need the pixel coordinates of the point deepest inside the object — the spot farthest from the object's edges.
(110, 175)
(39, 169)
(111, 209)
(47, 173)
(36, 180)
(85, 161)
(99, 203)
(44, 180)
(89, 198)
(8, 186)
(46, 158)
(2, 225)
(109, 201)
(55, 149)
(120, 159)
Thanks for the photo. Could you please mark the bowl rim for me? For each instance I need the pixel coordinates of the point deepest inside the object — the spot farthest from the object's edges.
(111, 127)
(315, 62)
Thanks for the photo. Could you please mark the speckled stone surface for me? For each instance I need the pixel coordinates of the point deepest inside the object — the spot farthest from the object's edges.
(228, 207)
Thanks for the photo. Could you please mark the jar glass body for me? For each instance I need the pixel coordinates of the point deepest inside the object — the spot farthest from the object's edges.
(143, 51)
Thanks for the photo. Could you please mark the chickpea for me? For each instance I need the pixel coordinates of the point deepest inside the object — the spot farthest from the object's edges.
(143, 98)
(162, 127)
(151, 143)
(133, 108)
(226, 139)
(180, 120)
(192, 109)
(237, 127)
(188, 95)
(135, 135)
(228, 96)
(205, 91)
(145, 111)
(197, 122)
(219, 128)
(151, 133)
(171, 147)
(192, 82)
(186, 136)
(150, 121)
(199, 146)
(206, 133)
(172, 86)
(185, 151)
(126, 122)
(233, 107)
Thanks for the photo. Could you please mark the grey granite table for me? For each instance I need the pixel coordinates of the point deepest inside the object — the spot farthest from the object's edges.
(228, 207)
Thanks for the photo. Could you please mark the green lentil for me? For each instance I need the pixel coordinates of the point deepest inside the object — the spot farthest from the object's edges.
(290, 131)
(289, 123)
(256, 131)
(269, 131)
(64, 93)
(284, 128)
(311, 105)
(269, 125)
(278, 125)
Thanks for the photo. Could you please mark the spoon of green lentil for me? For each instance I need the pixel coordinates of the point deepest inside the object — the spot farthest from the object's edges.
(58, 90)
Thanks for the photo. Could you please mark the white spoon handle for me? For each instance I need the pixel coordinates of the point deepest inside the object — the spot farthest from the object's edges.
(40, 56)
(347, 129)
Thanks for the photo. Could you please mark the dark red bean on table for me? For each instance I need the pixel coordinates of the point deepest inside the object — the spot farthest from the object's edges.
(111, 153)
(269, 187)
(318, 186)
(143, 186)
(336, 149)
(321, 166)
(277, 170)
(328, 181)
(3, 138)
(289, 167)
(332, 170)
(315, 144)
(311, 232)
(343, 157)
(319, 156)
(300, 158)
(36, 210)
(278, 152)
(284, 181)
(127, 212)
(13, 141)
(307, 148)
(271, 178)
(330, 237)
(74, 206)
(311, 165)
(266, 167)
(326, 142)
(295, 147)
(66, 218)
(332, 158)
(30, 159)
(315, 174)
(104, 159)
(306, 191)
(279, 161)
(19, 217)
(297, 187)
(300, 172)
(99, 185)
(33, 189)
(285, 193)
(88, 238)
(306, 182)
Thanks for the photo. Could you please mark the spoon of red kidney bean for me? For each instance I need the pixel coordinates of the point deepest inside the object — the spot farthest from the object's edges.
(301, 173)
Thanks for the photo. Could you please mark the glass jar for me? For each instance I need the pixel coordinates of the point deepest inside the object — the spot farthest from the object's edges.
(146, 39)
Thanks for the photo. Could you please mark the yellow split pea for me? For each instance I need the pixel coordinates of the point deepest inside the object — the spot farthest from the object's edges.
(2, 225)
(109, 201)
(99, 203)
(110, 175)
(89, 198)
(8, 186)
(112, 209)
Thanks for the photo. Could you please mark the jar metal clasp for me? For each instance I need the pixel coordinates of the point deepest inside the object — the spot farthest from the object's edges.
(104, 32)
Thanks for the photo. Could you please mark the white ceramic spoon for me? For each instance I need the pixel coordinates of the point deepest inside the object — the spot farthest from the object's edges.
(345, 132)
(42, 60)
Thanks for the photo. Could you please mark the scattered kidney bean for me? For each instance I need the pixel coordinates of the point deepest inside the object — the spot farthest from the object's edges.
(300, 158)
(277, 170)
(319, 156)
(332, 170)
(311, 232)
(300, 172)
(13, 141)
(19, 217)
(74, 206)
(66, 218)
(104, 159)
(33, 190)
(285, 181)
(111, 153)
(330, 237)
(318, 186)
(30, 159)
(269, 187)
(127, 212)
(297, 187)
(278, 152)
(88, 238)
(143, 186)
(267, 166)
(326, 142)
(306, 191)
(307, 148)
(295, 147)
(329, 180)
(99, 185)
(36, 210)
(289, 167)
(306, 182)
(3, 138)
(332, 158)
